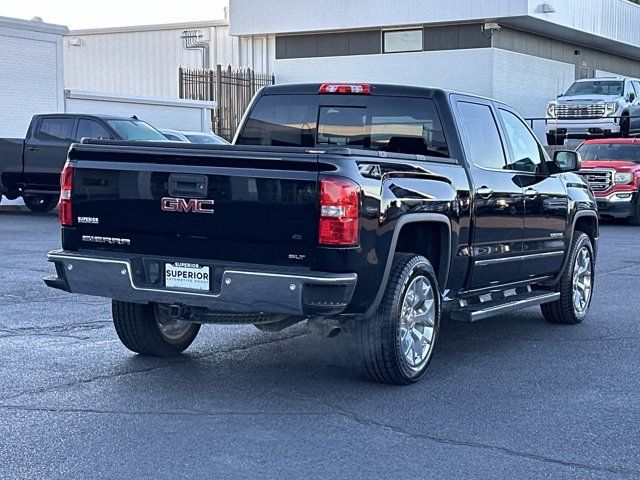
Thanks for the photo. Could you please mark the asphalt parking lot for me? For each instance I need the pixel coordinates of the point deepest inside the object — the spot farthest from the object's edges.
(512, 397)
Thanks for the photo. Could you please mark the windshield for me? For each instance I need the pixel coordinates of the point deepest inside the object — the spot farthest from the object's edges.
(391, 124)
(610, 152)
(172, 137)
(596, 87)
(135, 130)
(206, 139)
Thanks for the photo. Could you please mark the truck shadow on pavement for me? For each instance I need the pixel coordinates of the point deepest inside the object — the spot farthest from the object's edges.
(297, 357)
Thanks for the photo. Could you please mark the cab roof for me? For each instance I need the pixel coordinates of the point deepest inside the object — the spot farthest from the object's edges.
(376, 89)
(86, 115)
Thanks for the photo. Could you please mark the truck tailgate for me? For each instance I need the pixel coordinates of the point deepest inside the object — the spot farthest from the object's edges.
(11, 151)
(228, 205)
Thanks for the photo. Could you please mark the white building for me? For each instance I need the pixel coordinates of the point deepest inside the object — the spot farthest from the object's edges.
(144, 60)
(171, 113)
(31, 72)
(523, 52)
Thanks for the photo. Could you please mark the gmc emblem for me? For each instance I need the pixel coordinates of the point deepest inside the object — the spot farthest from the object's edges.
(192, 205)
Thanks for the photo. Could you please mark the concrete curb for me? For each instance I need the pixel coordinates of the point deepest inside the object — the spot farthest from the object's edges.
(13, 208)
(16, 205)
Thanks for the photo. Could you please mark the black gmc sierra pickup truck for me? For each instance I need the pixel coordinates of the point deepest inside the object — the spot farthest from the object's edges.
(368, 208)
(30, 167)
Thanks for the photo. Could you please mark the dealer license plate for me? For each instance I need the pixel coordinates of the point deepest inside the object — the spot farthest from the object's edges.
(189, 276)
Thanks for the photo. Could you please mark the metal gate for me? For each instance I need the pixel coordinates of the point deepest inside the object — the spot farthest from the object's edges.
(231, 88)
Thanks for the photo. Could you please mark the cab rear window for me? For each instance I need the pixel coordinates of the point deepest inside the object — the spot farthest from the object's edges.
(390, 124)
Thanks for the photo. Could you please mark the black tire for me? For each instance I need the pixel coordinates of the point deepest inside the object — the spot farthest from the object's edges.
(563, 310)
(625, 126)
(40, 203)
(378, 337)
(635, 218)
(138, 329)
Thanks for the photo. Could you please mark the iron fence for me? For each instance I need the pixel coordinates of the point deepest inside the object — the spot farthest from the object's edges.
(231, 88)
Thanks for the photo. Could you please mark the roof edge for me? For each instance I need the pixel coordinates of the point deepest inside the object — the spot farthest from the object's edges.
(148, 28)
(34, 26)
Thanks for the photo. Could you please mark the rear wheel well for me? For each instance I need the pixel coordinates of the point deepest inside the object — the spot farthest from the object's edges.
(429, 239)
(588, 225)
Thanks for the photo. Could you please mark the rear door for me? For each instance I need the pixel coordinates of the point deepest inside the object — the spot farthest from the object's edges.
(46, 150)
(545, 199)
(497, 208)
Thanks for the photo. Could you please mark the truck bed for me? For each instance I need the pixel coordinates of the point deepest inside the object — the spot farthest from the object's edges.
(11, 150)
(258, 205)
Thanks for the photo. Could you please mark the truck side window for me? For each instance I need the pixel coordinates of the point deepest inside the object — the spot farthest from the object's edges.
(628, 88)
(91, 129)
(55, 129)
(527, 155)
(482, 138)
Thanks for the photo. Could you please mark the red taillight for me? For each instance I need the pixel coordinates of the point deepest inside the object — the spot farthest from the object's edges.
(339, 209)
(357, 88)
(64, 209)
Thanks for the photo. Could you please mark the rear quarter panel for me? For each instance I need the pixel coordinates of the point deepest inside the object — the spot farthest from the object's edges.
(404, 188)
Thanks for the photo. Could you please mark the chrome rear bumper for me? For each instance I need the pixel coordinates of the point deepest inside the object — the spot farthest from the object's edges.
(238, 291)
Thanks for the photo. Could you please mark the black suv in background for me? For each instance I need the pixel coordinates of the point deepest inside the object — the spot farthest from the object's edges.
(366, 208)
(30, 168)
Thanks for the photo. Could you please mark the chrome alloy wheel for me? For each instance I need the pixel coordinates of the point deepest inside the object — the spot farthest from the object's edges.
(582, 281)
(417, 322)
(172, 329)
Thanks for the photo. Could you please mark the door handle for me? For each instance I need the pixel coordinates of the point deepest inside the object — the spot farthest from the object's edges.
(531, 193)
(188, 185)
(33, 149)
(485, 191)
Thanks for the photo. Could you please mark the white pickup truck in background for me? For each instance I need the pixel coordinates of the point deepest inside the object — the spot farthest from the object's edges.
(595, 107)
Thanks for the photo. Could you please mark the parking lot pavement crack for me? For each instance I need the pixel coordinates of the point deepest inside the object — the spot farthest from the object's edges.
(547, 340)
(64, 330)
(620, 271)
(7, 333)
(182, 412)
(21, 269)
(12, 300)
(367, 422)
(156, 368)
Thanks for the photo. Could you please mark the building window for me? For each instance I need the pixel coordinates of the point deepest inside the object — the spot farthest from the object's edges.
(402, 41)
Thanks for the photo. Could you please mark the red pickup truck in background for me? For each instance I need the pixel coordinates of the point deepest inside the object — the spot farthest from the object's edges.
(612, 168)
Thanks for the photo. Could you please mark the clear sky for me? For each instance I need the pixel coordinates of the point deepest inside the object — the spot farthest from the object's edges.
(79, 14)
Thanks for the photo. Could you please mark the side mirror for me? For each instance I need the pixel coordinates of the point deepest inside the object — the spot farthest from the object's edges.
(632, 97)
(567, 160)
